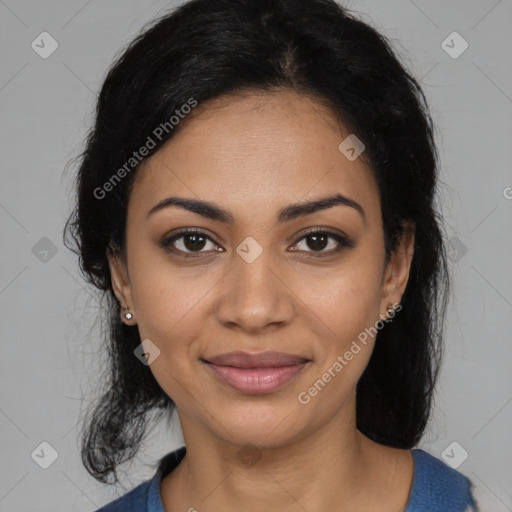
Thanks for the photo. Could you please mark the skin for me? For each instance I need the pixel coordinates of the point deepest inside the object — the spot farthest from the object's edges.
(254, 155)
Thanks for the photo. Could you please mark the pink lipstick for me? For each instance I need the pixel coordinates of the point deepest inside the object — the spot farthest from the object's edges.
(259, 373)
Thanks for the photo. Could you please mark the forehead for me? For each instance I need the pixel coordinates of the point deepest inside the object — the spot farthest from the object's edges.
(257, 149)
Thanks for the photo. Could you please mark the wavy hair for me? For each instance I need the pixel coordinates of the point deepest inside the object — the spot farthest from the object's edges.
(205, 49)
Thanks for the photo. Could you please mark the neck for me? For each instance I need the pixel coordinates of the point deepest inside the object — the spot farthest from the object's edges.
(331, 468)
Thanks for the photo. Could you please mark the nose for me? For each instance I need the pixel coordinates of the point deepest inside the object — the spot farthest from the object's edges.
(255, 296)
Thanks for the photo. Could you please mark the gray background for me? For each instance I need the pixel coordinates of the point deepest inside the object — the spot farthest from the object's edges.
(50, 347)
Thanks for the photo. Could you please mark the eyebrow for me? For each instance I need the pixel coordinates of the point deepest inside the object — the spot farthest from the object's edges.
(215, 212)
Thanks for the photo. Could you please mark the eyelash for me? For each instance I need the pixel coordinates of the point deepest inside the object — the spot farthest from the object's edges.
(342, 241)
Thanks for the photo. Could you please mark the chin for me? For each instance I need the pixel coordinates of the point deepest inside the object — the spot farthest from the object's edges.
(264, 426)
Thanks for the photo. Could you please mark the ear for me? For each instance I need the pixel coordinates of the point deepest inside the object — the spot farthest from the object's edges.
(121, 283)
(398, 269)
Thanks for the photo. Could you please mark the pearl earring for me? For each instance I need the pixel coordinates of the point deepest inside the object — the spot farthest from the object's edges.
(128, 316)
(391, 311)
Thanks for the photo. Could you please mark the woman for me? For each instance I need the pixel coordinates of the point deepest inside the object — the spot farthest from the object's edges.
(256, 201)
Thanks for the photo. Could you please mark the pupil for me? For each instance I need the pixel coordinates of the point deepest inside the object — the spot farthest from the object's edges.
(320, 245)
(195, 240)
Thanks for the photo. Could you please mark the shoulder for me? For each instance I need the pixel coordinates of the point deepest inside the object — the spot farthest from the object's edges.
(146, 496)
(437, 486)
(133, 501)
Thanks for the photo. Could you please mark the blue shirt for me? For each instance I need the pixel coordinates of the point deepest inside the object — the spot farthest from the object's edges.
(436, 487)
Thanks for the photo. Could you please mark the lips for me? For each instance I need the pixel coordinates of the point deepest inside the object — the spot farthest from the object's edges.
(261, 360)
(256, 373)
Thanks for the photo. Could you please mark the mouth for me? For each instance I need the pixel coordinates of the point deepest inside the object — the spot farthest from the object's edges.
(256, 373)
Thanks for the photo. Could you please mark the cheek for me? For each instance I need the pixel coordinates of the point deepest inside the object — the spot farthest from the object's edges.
(171, 305)
(168, 313)
(348, 300)
(349, 307)
(165, 296)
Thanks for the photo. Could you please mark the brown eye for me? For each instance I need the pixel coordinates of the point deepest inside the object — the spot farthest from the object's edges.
(194, 242)
(189, 241)
(318, 241)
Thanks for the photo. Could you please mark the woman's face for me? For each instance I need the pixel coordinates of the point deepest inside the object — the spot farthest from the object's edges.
(254, 280)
